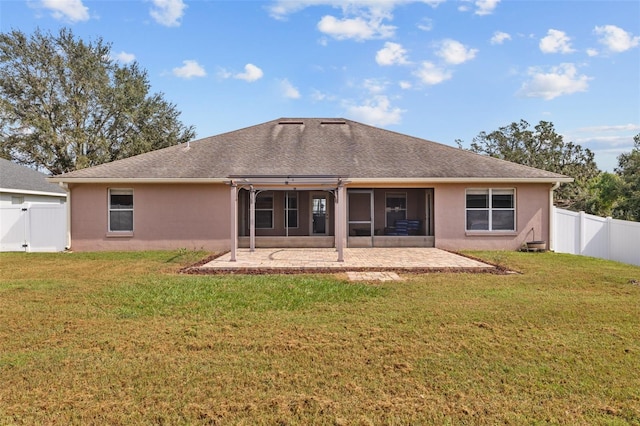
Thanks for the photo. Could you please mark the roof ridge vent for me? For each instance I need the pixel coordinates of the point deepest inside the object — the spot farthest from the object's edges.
(291, 122)
(334, 122)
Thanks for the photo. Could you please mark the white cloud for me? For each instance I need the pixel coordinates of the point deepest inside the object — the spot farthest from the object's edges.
(360, 20)
(392, 54)
(376, 111)
(592, 52)
(125, 57)
(280, 9)
(355, 28)
(556, 42)
(71, 10)
(500, 37)
(425, 24)
(560, 80)
(189, 69)
(375, 86)
(486, 7)
(454, 52)
(482, 7)
(223, 73)
(611, 128)
(430, 74)
(288, 90)
(251, 73)
(168, 12)
(616, 39)
(405, 85)
(318, 96)
(605, 140)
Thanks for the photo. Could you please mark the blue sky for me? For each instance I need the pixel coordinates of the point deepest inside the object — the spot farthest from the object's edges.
(436, 69)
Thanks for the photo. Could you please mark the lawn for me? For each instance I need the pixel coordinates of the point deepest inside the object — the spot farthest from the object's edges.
(122, 338)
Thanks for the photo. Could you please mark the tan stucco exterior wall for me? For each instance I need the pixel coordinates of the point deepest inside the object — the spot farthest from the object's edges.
(195, 216)
(166, 216)
(532, 212)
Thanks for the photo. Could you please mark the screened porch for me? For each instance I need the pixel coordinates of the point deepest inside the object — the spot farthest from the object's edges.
(380, 217)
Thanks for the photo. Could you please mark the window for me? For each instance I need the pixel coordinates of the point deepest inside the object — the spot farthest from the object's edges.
(491, 210)
(291, 209)
(395, 207)
(264, 210)
(121, 210)
(17, 199)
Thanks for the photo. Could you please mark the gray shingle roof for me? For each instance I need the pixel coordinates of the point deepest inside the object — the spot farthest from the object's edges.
(20, 178)
(311, 146)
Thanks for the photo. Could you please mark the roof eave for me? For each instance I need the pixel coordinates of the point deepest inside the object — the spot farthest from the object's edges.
(460, 180)
(30, 192)
(225, 180)
(136, 180)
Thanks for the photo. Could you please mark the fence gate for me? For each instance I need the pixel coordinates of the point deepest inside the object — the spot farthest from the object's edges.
(33, 227)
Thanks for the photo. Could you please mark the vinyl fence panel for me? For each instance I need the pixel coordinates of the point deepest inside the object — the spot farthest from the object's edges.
(33, 227)
(625, 241)
(13, 227)
(567, 231)
(588, 235)
(595, 236)
(48, 227)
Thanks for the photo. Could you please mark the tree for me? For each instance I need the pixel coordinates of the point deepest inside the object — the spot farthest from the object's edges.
(604, 196)
(544, 149)
(66, 104)
(629, 171)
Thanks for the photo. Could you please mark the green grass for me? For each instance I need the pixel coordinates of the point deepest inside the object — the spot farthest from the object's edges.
(121, 338)
(205, 297)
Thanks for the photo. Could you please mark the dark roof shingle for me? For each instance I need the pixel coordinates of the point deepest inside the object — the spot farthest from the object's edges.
(20, 178)
(311, 146)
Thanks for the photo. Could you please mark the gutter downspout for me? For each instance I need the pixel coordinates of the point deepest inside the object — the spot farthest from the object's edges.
(552, 221)
(65, 186)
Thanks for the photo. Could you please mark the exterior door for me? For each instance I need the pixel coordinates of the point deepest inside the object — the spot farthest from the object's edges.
(360, 213)
(319, 214)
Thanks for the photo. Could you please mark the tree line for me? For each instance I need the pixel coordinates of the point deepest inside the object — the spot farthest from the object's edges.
(66, 104)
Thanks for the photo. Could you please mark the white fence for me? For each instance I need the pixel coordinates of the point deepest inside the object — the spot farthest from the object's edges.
(33, 227)
(588, 235)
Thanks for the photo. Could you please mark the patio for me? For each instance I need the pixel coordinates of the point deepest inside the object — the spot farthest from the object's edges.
(324, 260)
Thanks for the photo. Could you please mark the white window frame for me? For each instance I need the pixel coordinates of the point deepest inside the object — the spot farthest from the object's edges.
(288, 208)
(271, 209)
(123, 191)
(490, 209)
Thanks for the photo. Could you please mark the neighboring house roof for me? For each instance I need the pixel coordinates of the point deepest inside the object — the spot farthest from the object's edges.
(310, 147)
(23, 180)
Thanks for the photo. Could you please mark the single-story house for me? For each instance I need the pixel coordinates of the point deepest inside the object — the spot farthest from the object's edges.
(32, 211)
(309, 182)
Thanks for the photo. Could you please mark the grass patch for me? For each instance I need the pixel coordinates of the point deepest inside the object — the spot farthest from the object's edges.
(121, 338)
(231, 295)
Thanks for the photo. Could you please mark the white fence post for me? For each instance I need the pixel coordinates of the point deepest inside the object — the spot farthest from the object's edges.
(609, 236)
(581, 232)
(554, 228)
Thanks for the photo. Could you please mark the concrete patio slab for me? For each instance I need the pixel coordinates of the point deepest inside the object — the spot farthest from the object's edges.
(322, 260)
(373, 276)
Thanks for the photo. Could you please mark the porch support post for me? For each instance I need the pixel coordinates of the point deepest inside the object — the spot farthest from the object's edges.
(234, 221)
(252, 219)
(340, 219)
